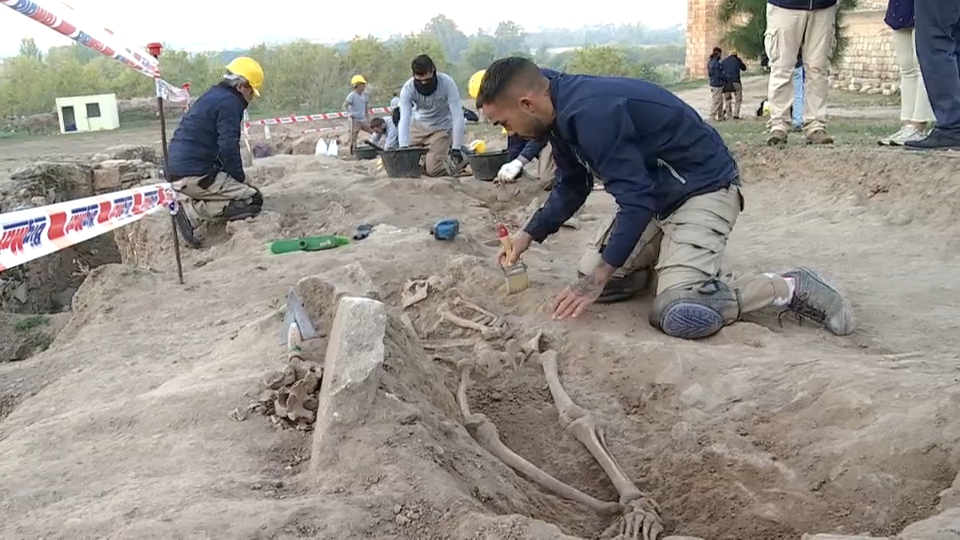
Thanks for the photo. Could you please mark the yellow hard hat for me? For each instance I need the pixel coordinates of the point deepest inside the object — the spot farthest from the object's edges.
(249, 69)
(474, 85)
(357, 79)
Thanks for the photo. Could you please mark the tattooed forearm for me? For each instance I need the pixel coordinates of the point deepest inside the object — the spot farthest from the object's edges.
(588, 285)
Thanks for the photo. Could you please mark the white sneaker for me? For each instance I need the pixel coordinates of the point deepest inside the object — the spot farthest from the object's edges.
(888, 141)
(908, 133)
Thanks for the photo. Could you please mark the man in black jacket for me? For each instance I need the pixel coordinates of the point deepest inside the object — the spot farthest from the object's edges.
(205, 167)
(792, 26)
(732, 66)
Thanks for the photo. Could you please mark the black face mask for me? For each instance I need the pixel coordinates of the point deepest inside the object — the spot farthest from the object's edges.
(427, 87)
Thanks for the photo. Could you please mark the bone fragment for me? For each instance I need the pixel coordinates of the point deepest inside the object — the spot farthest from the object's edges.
(487, 332)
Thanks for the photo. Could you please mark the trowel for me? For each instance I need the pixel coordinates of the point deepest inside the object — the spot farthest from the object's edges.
(296, 314)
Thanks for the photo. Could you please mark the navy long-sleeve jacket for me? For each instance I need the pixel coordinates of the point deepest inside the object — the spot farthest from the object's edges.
(715, 72)
(207, 140)
(651, 150)
(732, 66)
(525, 148)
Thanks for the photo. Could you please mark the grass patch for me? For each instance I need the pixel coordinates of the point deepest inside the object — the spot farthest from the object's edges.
(688, 84)
(30, 323)
(846, 131)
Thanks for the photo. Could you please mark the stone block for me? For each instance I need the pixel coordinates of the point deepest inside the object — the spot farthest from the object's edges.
(105, 180)
(322, 292)
(351, 377)
(943, 526)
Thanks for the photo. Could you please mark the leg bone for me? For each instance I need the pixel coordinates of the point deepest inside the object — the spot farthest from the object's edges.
(641, 517)
(486, 435)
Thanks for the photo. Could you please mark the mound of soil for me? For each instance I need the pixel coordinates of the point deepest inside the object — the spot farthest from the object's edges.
(767, 430)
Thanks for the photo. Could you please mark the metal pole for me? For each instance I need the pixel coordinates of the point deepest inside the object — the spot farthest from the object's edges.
(166, 158)
(155, 49)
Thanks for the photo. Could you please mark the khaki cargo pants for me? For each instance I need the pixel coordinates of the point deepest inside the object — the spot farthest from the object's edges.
(437, 143)
(546, 167)
(686, 250)
(716, 103)
(732, 101)
(789, 31)
(356, 126)
(203, 199)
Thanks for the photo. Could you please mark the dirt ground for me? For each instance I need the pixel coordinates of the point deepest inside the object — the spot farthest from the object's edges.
(769, 430)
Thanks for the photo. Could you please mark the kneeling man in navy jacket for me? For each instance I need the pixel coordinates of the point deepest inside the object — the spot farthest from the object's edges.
(677, 189)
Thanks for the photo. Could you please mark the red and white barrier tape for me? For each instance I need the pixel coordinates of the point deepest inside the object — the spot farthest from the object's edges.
(133, 58)
(297, 118)
(29, 234)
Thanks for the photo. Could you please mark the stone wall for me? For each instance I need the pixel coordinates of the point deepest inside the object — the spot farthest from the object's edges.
(704, 32)
(869, 60)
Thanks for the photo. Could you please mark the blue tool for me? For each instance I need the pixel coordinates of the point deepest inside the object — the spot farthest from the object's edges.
(445, 229)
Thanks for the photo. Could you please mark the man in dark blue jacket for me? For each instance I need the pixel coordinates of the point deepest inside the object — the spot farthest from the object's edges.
(205, 165)
(522, 151)
(792, 26)
(732, 66)
(717, 81)
(677, 189)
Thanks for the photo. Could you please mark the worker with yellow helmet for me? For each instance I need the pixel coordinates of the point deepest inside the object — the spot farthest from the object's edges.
(356, 106)
(205, 166)
(519, 151)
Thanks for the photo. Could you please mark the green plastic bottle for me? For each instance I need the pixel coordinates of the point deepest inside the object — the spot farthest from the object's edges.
(309, 243)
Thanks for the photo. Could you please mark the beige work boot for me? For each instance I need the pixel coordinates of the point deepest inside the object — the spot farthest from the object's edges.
(819, 136)
(778, 137)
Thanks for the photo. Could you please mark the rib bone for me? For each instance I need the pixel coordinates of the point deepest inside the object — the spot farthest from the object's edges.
(485, 433)
(641, 519)
(488, 332)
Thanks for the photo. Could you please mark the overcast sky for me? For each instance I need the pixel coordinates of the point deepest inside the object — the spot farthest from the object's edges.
(219, 24)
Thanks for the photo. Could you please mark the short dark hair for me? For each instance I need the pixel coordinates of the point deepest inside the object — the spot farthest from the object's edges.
(502, 73)
(395, 114)
(717, 50)
(376, 122)
(422, 65)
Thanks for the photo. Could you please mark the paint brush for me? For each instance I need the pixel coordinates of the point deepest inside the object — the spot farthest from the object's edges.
(516, 274)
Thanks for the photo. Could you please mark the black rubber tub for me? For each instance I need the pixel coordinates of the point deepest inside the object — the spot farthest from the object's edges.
(403, 163)
(363, 151)
(486, 166)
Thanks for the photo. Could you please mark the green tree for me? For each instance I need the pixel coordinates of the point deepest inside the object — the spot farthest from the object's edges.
(510, 37)
(480, 54)
(748, 23)
(29, 49)
(451, 39)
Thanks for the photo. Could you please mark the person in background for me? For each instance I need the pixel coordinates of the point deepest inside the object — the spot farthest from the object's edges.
(204, 163)
(794, 27)
(916, 115)
(715, 73)
(796, 110)
(394, 101)
(356, 106)
(385, 130)
(733, 66)
(439, 125)
(519, 151)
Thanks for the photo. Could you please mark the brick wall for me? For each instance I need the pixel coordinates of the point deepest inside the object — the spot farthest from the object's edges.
(869, 63)
(704, 32)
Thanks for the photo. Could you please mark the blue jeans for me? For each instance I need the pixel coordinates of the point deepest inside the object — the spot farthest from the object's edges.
(938, 49)
(798, 97)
